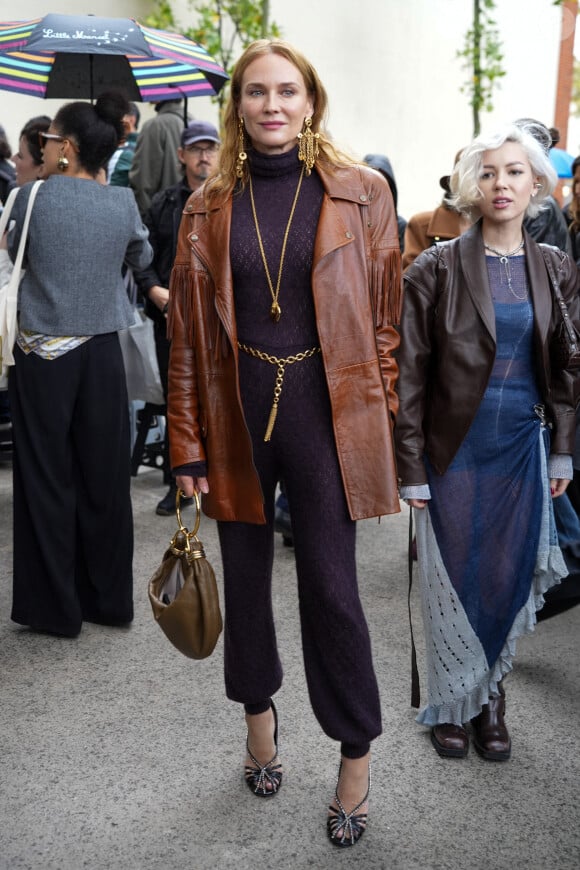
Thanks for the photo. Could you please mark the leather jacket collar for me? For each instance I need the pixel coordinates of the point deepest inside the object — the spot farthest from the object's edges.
(211, 237)
(472, 258)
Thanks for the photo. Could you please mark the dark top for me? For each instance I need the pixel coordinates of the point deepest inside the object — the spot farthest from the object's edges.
(274, 180)
(162, 220)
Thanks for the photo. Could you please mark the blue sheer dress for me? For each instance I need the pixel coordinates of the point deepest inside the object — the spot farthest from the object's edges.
(487, 542)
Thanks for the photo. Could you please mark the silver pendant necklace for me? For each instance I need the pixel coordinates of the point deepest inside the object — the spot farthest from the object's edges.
(504, 261)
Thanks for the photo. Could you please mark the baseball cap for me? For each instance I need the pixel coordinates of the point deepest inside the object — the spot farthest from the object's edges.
(198, 131)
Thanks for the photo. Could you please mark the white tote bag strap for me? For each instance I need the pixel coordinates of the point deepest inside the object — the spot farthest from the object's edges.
(9, 292)
(5, 217)
(22, 243)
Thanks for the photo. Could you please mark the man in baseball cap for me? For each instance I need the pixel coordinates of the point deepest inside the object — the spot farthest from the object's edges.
(200, 144)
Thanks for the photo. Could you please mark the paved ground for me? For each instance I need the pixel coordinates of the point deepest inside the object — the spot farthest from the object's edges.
(117, 752)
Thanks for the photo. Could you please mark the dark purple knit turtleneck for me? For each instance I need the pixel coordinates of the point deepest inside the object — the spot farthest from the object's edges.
(274, 180)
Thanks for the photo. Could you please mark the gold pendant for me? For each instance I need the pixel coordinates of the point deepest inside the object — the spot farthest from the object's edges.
(275, 312)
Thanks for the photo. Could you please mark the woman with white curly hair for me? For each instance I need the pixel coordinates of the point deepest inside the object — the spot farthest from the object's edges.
(484, 435)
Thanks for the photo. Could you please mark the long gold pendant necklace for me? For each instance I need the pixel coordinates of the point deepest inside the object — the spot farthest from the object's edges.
(275, 310)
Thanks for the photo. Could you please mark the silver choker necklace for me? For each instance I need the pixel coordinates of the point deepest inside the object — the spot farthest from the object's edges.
(503, 257)
(504, 261)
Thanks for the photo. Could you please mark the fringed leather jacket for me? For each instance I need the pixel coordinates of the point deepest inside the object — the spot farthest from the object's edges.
(448, 349)
(356, 285)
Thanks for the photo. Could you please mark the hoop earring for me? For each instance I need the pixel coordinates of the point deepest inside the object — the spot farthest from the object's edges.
(62, 163)
(242, 156)
(308, 145)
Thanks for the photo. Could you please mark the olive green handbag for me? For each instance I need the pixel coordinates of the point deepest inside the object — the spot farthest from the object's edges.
(183, 592)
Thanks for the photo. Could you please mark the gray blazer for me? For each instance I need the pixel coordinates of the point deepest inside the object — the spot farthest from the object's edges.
(81, 234)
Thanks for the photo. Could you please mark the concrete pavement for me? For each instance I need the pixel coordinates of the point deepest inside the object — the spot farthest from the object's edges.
(117, 753)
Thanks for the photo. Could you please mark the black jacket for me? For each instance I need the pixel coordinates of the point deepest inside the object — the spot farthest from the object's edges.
(549, 226)
(162, 220)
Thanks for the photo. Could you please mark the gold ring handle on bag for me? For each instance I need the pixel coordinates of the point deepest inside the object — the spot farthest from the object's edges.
(178, 496)
(183, 538)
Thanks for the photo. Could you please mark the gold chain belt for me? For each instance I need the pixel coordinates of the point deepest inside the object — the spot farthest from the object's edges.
(281, 364)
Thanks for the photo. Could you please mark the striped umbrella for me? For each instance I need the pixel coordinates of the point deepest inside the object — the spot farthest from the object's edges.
(80, 56)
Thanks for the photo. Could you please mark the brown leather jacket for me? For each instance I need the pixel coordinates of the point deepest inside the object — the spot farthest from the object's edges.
(448, 349)
(356, 285)
(428, 227)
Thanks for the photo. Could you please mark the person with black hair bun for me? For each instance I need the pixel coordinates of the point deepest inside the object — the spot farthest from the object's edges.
(28, 159)
(73, 529)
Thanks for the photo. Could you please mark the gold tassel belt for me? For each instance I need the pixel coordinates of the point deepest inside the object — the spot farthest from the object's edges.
(281, 365)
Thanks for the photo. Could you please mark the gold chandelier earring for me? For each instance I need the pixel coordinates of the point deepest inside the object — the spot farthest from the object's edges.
(308, 145)
(62, 163)
(242, 156)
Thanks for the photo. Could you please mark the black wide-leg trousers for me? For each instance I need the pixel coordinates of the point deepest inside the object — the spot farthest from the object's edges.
(73, 525)
(336, 646)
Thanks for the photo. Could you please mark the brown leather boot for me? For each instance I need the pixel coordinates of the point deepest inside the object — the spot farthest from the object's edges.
(450, 741)
(490, 735)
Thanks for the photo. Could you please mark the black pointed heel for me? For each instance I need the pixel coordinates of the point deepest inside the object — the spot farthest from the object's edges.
(264, 781)
(346, 829)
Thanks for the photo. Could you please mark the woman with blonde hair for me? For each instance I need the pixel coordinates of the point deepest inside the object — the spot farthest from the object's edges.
(485, 435)
(284, 299)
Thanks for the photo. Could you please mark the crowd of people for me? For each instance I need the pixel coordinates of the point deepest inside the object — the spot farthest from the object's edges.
(307, 336)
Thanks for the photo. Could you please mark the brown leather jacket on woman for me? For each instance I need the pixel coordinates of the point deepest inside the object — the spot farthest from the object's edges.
(428, 227)
(356, 288)
(448, 349)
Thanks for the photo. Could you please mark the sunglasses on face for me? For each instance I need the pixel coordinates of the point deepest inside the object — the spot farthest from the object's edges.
(44, 137)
